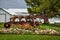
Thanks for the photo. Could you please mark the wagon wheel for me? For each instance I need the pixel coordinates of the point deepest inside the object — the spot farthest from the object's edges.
(6, 25)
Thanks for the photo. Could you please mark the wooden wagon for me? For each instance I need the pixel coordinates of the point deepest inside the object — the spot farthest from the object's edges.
(23, 21)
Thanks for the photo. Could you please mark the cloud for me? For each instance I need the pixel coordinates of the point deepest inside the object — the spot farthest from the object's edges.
(12, 4)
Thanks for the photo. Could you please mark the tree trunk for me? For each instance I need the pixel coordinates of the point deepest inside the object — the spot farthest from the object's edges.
(46, 19)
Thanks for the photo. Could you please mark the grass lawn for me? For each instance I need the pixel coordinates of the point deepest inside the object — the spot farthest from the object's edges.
(1, 25)
(50, 26)
(27, 37)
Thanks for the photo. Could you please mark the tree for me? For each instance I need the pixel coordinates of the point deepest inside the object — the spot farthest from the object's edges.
(57, 7)
(42, 6)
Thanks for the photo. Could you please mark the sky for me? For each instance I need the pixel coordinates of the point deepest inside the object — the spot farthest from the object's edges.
(13, 4)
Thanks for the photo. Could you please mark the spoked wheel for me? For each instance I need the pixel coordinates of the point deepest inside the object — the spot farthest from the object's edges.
(6, 25)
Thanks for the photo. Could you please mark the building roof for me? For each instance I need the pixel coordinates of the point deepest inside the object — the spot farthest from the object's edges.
(5, 11)
(17, 11)
(11, 12)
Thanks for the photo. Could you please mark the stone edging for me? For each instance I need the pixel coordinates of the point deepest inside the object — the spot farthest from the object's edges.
(35, 31)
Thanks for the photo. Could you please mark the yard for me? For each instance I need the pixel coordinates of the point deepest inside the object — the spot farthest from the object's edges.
(31, 37)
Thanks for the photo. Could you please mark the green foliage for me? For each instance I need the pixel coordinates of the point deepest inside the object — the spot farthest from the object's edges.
(38, 6)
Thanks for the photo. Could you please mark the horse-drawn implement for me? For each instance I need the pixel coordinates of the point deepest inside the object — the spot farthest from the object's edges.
(23, 22)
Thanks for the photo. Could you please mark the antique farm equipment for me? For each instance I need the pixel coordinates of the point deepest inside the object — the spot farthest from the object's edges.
(22, 22)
